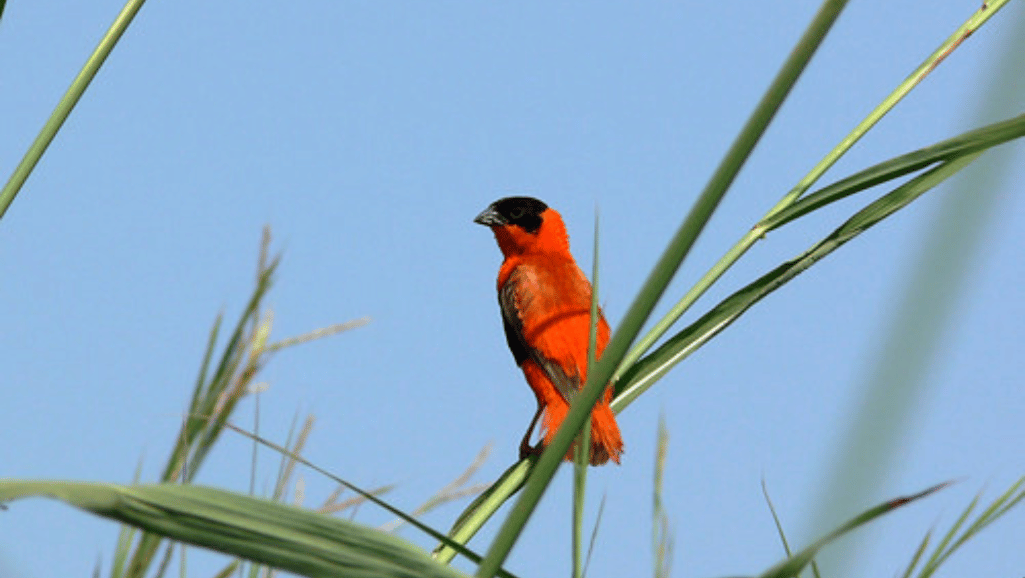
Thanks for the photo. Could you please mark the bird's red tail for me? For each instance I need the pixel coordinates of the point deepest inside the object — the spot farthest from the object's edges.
(606, 441)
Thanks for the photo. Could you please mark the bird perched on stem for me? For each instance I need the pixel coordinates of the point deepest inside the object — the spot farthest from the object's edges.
(546, 309)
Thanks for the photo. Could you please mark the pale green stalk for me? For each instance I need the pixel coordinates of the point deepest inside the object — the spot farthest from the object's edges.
(480, 510)
(757, 232)
(661, 535)
(895, 381)
(583, 453)
(67, 103)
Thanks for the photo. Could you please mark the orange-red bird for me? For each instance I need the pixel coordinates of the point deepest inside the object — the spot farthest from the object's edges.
(546, 308)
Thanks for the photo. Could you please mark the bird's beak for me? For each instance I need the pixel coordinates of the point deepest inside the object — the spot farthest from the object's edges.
(489, 217)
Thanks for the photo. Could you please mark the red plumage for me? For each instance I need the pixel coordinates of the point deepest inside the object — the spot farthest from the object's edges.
(546, 301)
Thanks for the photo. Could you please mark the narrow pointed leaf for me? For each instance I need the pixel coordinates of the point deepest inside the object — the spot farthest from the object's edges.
(652, 367)
(967, 143)
(794, 564)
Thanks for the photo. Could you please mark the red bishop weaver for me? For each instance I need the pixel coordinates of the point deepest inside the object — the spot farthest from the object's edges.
(546, 303)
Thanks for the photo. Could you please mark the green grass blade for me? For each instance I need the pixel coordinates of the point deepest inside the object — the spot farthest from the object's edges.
(165, 561)
(782, 534)
(368, 496)
(577, 522)
(282, 536)
(949, 537)
(594, 537)
(227, 570)
(202, 425)
(201, 428)
(126, 536)
(951, 541)
(226, 387)
(294, 443)
(917, 556)
(775, 520)
(484, 506)
(204, 366)
(661, 534)
(974, 22)
(657, 281)
(895, 379)
(967, 143)
(794, 564)
(1010, 499)
(652, 367)
(751, 237)
(67, 103)
(592, 334)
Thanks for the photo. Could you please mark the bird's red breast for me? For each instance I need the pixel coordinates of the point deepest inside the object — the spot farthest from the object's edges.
(545, 301)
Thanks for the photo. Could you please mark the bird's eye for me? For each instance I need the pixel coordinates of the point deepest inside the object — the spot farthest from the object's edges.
(517, 213)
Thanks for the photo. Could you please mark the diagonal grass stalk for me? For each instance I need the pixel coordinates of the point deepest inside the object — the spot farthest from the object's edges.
(656, 364)
(481, 509)
(214, 398)
(658, 280)
(970, 142)
(793, 564)
(216, 394)
(779, 529)
(661, 534)
(895, 381)
(370, 497)
(951, 542)
(751, 237)
(67, 103)
(649, 369)
(645, 372)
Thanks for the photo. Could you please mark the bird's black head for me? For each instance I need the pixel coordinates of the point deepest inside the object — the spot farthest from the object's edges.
(522, 211)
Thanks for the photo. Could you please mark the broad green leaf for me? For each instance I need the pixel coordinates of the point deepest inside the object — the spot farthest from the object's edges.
(279, 535)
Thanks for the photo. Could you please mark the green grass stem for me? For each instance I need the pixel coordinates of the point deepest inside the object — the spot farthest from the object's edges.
(751, 237)
(67, 103)
(653, 366)
(895, 383)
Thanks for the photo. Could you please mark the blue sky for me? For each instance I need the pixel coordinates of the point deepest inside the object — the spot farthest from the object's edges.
(368, 135)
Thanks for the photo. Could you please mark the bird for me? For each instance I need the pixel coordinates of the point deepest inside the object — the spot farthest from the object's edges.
(545, 301)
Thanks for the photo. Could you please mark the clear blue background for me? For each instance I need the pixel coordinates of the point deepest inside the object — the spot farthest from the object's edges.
(368, 135)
